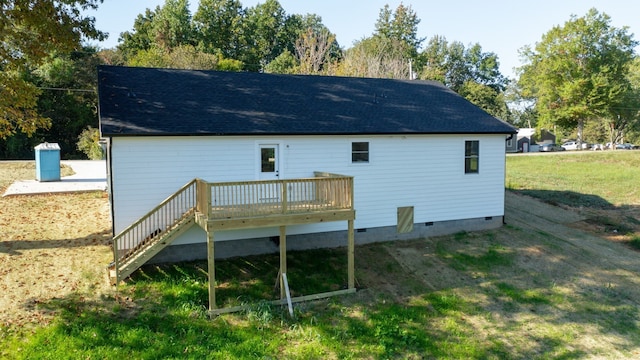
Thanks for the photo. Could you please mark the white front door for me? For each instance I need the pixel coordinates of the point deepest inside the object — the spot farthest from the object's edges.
(269, 162)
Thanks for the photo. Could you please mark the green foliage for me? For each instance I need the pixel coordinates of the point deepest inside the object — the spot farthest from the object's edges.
(153, 57)
(219, 27)
(487, 98)
(171, 26)
(31, 30)
(285, 63)
(400, 25)
(266, 34)
(470, 72)
(578, 71)
(18, 100)
(229, 64)
(66, 99)
(56, 71)
(89, 143)
(455, 65)
(181, 57)
(140, 38)
(388, 52)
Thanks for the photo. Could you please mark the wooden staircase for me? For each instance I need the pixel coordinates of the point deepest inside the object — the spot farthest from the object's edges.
(145, 238)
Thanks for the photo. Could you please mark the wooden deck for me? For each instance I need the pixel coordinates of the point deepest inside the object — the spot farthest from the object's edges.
(254, 204)
(238, 205)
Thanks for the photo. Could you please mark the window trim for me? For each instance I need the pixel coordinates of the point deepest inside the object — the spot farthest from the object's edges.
(470, 155)
(366, 152)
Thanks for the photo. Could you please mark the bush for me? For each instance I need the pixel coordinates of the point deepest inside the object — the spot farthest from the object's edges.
(89, 143)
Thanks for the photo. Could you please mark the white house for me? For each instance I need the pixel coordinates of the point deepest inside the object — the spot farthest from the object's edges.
(423, 160)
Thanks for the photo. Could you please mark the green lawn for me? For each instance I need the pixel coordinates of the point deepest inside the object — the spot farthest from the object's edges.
(598, 179)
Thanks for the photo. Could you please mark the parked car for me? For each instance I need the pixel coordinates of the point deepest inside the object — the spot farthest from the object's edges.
(598, 147)
(550, 147)
(625, 146)
(573, 145)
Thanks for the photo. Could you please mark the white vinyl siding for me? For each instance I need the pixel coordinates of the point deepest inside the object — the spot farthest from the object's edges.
(423, 171)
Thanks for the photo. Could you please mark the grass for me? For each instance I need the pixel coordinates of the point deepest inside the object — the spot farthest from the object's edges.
(23, 170)
(591, 179)
(161, 315)
(500, 294)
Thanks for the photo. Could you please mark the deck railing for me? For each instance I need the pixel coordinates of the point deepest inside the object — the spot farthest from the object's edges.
(244, 199)
(155, 222)
(228, 200)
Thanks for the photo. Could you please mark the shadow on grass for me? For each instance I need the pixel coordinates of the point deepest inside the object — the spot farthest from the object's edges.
(253, 278)
(145, 329)
(568, 198)
(15, 247)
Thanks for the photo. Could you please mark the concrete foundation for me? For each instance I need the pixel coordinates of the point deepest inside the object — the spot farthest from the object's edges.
(268, 245)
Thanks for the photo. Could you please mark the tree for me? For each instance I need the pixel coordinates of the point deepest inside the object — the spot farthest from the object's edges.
(486, 98)
(264, 34)
(285, 63)
(30, 30)
(313, 50)
(218, 24)
(454, 65)
(400, 25)
(140, 38)
(180, 57)
(171, 27)
(624, 114)
(375, 57)
(68, 99)
(470, 72)
(578, 72)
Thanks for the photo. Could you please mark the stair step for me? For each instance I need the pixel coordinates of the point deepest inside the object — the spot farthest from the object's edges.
(136, 257)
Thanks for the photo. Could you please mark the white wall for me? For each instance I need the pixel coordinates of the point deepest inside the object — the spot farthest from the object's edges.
(424, 171)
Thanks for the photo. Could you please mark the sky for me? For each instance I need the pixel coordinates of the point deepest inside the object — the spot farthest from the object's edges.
(499, 26)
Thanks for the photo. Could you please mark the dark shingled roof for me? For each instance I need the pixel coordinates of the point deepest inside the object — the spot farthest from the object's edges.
(143, 101)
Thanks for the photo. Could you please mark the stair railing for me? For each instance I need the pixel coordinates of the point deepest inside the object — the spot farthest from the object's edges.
(150, 228)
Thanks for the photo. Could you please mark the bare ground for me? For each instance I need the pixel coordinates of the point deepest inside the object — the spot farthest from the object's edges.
(55, 246)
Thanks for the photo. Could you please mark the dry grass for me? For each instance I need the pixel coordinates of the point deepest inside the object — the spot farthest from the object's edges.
(51, 246)
(11, 171)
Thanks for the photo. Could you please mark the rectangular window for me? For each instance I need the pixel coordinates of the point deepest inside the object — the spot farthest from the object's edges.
(471, 156)
(267, 159)
(360, 152)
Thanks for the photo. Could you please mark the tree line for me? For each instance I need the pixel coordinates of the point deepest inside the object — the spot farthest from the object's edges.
(581, 80)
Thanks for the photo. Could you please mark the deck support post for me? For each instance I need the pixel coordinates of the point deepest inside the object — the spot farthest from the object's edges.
(283, 260)
(211, 269)
(351, 255)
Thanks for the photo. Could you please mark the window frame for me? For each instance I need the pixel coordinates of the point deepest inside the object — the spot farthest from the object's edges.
(471, 156)
(360, 152)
